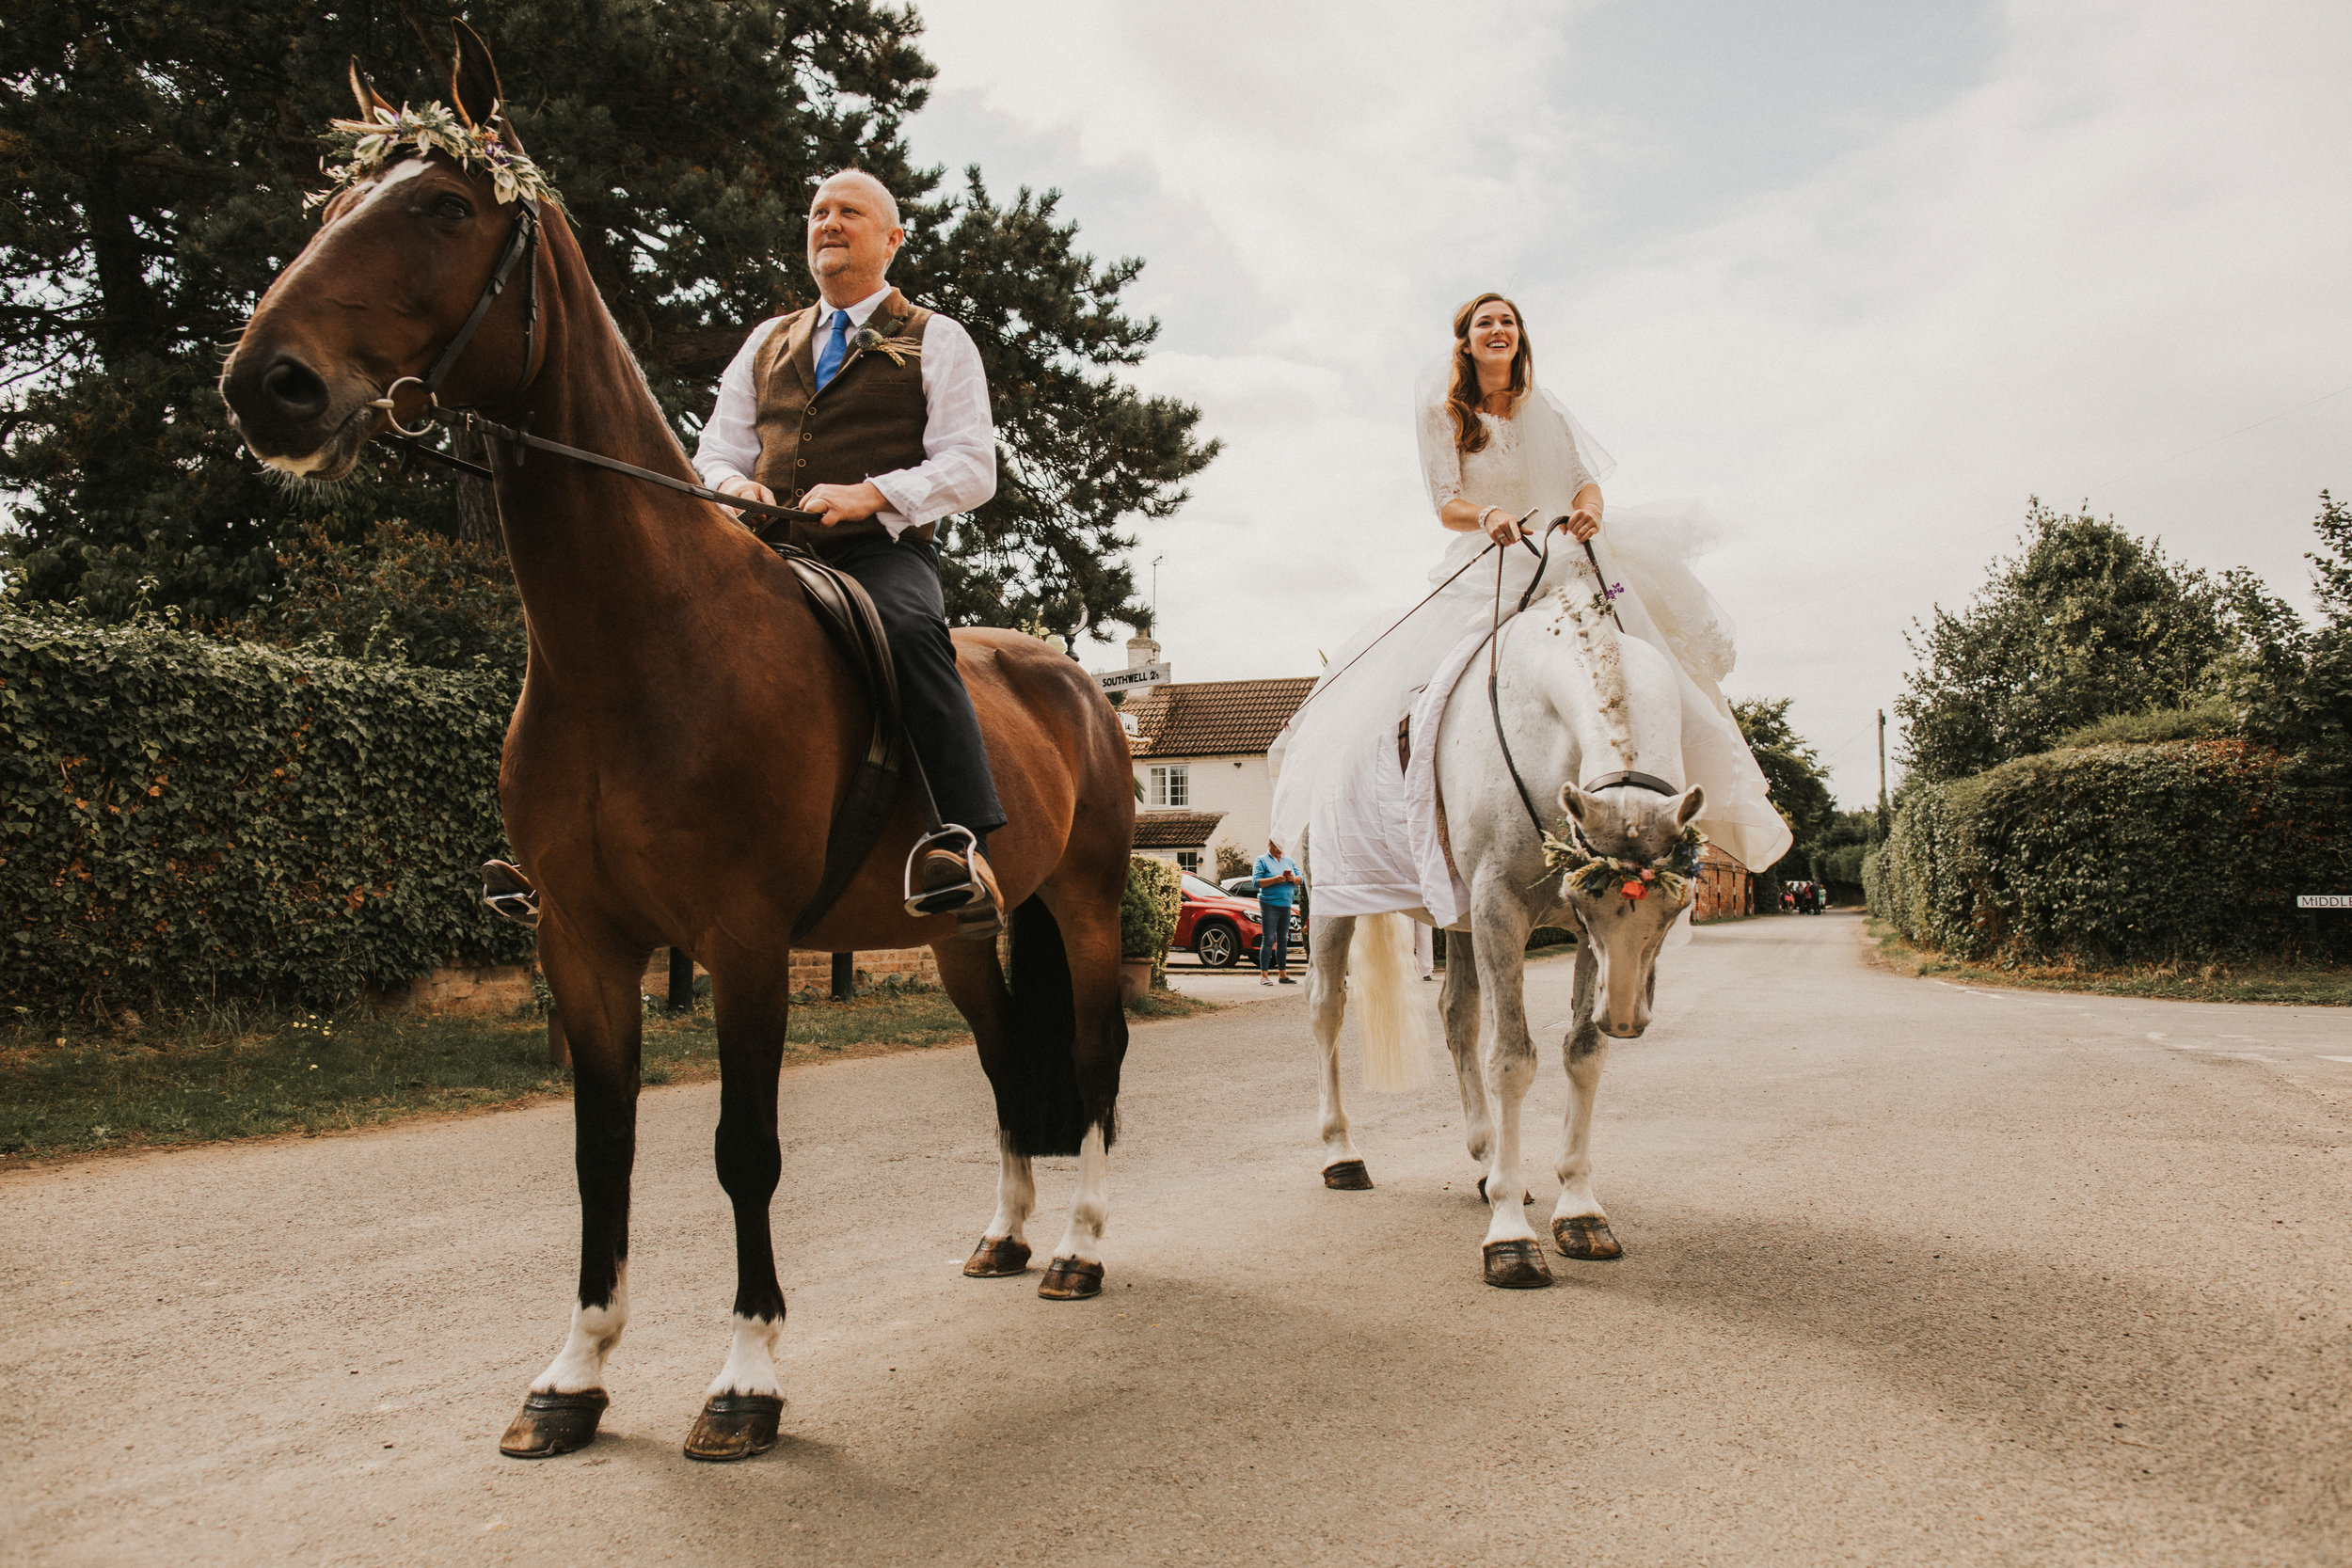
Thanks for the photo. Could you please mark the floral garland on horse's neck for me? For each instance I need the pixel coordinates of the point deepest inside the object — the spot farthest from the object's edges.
(367, 146)
(1589, 872)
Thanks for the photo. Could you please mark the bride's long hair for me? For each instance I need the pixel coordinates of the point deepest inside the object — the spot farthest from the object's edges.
(1463, 398)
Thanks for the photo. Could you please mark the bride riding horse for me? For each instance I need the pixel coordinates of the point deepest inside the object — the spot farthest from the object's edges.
(687, 729)
(1600, 694)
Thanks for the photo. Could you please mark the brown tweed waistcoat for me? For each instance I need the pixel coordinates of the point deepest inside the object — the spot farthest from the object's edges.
(868, 420)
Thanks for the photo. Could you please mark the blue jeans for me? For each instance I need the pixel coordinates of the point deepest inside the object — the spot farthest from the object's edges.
(1274, 947)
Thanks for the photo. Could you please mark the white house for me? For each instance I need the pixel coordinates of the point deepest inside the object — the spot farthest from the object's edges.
(1199, 756)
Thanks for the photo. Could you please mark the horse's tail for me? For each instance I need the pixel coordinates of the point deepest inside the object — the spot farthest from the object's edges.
(1038, 1102)
(1396, 1041)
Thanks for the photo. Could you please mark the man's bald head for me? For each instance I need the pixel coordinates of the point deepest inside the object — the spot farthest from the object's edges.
(853, 232)
(874, 190)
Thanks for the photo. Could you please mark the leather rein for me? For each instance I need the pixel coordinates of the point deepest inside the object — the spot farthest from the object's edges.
(522, 249)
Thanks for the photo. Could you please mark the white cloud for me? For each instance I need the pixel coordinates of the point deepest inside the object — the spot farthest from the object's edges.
(2050, 255)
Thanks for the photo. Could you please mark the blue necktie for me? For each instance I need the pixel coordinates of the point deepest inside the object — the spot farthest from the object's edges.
(836, 349)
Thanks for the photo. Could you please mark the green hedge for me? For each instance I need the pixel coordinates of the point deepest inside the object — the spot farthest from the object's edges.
(1149, 909)
(183, 817)
(2121, 854)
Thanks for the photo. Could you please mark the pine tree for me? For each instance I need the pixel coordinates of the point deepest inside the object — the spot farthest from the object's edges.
(158, 154)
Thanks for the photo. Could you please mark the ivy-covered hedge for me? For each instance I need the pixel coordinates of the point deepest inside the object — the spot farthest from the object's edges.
(2114, 854)
(183, 817)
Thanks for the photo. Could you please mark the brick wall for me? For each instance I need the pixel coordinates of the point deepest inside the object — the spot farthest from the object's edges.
(1725, 890)
(814, 970)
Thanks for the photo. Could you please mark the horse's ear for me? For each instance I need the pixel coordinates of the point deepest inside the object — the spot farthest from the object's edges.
(474, 80)
(363, 92)
(1694, 802)
(1578, 804)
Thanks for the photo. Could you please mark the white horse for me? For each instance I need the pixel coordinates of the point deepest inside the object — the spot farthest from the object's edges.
(1594, 720)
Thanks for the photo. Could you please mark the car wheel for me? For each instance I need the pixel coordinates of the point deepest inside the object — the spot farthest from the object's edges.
(1216, 945)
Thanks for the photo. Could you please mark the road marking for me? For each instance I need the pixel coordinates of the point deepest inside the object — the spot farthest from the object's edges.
(2336, 1058)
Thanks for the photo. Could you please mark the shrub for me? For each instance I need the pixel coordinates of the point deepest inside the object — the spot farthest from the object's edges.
(186, 818)
(2120, 854)
(1232, 861)
(2211, 719)
(1147, 911)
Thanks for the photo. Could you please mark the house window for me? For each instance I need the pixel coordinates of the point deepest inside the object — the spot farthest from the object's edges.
(1172, 786)
(1188, 860)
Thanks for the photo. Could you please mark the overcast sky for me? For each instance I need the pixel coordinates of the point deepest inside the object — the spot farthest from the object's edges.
(1863, 276)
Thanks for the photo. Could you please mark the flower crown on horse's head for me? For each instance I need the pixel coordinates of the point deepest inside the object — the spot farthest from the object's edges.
(368, 144)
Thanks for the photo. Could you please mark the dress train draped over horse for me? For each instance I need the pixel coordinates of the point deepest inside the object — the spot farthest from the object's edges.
(1374, 828)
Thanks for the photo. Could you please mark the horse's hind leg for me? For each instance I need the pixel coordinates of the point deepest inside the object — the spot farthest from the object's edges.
(1579, 1225)
(1457, 1000)
(744, 1403)
(1087, 918)
(975, 984)
(1327, 1006)
(596, 995)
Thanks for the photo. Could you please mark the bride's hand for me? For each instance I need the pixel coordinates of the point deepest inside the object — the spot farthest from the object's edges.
(1499, 525)
(1583, 523)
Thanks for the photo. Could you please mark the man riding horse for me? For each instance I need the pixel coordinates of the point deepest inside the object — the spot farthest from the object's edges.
(872, 413)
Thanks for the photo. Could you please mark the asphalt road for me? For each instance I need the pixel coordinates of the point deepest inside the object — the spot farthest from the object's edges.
(1915, 1273)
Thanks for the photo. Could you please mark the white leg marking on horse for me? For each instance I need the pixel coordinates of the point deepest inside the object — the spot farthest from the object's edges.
(1089, 1210)
(580, 1365)
(751, 1367)
(1326, 1005)
(1575, 1138)
(1016, 1193)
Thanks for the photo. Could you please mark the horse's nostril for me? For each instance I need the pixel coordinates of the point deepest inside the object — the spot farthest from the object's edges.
(295, 388)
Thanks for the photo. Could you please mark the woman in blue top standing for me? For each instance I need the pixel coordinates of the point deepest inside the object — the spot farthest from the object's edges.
(1279, 882)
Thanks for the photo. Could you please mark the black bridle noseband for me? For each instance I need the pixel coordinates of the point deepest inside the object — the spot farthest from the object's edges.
(522, 249)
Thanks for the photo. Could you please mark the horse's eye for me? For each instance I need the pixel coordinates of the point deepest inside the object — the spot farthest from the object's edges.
(453, 209)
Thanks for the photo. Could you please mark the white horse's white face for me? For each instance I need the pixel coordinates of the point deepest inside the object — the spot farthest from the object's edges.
(1624, 934)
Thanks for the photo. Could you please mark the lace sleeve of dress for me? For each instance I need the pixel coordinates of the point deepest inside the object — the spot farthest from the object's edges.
(1440, 464)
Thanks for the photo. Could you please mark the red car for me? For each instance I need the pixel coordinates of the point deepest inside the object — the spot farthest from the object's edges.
(1217, 928)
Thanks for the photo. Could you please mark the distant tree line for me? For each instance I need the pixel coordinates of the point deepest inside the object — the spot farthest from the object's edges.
(2089, 634)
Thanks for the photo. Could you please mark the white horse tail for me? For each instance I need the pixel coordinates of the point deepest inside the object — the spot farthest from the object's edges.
(1395, 1039)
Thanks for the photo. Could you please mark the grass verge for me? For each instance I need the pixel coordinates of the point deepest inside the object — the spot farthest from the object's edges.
(255, 1076)
(2277, 984)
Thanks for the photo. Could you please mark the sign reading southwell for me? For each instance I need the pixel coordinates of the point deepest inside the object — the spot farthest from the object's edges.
(1142, 675)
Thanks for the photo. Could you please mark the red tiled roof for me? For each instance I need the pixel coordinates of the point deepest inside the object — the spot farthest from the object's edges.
(1211, 718)
(1175, 830)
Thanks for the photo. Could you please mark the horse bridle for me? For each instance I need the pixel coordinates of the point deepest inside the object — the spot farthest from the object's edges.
(522, 249)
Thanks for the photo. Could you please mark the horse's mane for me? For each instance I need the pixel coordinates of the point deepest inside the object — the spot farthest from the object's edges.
(1602, 658)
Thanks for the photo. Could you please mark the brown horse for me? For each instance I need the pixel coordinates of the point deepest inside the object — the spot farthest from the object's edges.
(685, 735)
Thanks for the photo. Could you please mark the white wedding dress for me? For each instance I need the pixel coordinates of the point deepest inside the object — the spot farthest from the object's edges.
(1345, 733)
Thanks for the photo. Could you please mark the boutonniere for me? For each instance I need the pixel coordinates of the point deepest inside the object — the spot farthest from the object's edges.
(900, 350)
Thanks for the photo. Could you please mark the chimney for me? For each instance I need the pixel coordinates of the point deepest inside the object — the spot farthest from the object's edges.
(1141, 649)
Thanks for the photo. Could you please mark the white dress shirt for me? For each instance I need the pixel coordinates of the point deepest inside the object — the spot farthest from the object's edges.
(959, 467)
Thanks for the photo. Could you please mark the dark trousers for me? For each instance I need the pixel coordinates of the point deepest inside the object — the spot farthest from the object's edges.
(1274, 947)
(902, 580)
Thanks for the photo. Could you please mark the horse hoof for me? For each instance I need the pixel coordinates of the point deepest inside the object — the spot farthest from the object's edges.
(1517, 1266)
(1348, 1176)
(996, 1258)
(1482, 1193)
(1586, 1236)
(735, 1426)
(550, 1424)
(1071, 1279)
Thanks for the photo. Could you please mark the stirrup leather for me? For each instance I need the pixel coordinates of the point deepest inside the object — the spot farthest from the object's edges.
(944, 900)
